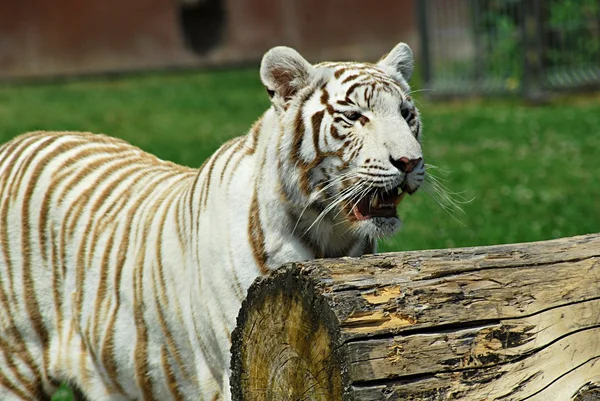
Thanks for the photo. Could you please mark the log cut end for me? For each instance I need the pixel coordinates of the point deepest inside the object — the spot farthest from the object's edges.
(284, 343)
(506, 323)
(588, 392)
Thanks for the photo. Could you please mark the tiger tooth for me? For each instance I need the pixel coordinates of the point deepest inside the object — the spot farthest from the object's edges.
(375, 201)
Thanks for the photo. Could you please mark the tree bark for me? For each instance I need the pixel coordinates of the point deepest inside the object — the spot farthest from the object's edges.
(507, 322)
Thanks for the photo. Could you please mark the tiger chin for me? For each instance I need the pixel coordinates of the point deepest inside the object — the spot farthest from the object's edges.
(122, 274)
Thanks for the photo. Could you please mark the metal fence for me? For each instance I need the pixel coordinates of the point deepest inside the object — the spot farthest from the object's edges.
(509, 46)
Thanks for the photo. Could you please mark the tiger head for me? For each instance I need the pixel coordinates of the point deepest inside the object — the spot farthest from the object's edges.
(350, 142)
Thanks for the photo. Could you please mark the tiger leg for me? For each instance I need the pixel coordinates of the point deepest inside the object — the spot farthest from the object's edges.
(77, 394)
(226, 388)
(95, 393)
(19, 380)
(96, 390)
(76, 365)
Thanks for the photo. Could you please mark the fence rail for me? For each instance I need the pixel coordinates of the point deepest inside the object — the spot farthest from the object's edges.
(509, 46)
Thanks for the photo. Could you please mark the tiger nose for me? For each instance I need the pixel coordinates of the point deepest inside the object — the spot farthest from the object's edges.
(404, 164)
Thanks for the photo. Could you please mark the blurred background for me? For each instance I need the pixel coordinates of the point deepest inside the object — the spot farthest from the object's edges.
(508, 91)
(62, 37)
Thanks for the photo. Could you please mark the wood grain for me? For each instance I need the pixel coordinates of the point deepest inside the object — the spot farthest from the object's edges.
(506, 322)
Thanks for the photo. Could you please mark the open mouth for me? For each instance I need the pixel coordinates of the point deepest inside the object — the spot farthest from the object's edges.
(378, 203)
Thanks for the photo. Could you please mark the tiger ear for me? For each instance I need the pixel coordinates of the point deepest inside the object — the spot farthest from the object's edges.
(399, 61)
(284, 72)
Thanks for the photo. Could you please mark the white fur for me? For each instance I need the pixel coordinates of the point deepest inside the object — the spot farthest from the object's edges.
(206, 276)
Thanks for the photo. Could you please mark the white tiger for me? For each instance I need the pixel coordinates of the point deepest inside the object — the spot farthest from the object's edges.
(122, 274)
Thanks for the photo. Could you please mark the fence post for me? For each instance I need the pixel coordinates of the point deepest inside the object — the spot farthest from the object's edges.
(531, 33)
(479, 71)
(424, 41)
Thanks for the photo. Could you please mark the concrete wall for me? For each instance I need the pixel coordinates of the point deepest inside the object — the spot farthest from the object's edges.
(320, 29)
(61, 37)
(40, 37)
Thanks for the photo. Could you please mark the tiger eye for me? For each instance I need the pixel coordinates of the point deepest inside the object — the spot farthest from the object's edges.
(407, 112)
(352, 115)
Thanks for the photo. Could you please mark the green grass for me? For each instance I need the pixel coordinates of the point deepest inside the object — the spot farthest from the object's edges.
(532, 173)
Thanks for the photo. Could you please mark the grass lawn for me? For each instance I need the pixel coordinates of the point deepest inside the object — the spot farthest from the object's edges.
(532, 173)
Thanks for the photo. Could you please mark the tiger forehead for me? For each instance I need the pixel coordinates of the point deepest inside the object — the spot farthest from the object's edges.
(353, 68)
(355, 76)
(351, 83)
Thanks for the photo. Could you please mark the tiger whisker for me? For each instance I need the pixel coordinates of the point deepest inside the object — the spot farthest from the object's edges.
(448, 200)
(359, 198)
(335, 199)
(420, 90)
(340, 198)
(329, 183)
(353, 206)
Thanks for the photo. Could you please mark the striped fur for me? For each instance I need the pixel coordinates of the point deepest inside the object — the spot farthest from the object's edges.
(123, 274)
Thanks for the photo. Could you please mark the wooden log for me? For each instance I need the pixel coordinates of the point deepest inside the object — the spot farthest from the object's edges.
(507, 322)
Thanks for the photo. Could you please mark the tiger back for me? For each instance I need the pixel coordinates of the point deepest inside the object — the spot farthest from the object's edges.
(122, 274)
